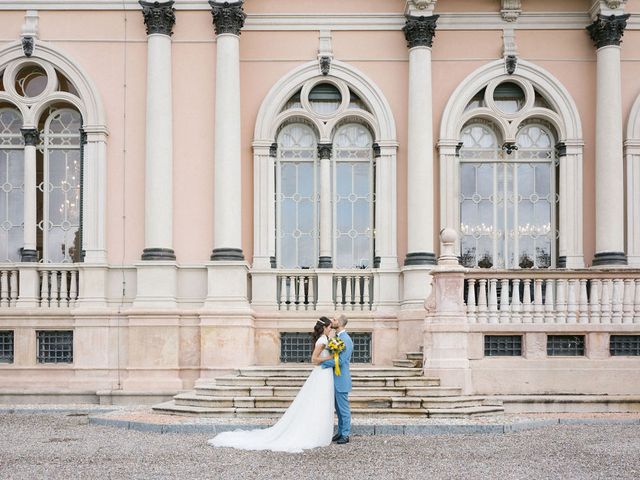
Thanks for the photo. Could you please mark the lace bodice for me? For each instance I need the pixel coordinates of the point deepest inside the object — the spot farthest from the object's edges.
(323, 340)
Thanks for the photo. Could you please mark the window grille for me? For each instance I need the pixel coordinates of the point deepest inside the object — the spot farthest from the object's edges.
(627, 345)
(565, 345)
(55, 346)
(6, 346)
(296, 347)
(503, 345)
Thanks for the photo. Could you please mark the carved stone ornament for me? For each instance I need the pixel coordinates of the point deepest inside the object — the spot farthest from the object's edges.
(325, 65)
(273, 150)
(27, 46)
(31, 136)
(159, 17)
(511, 62)
(419, 31)
(608, 30)
(511, 10)
(324, 151)
(227, 17)
(509, 147)
(377, 152)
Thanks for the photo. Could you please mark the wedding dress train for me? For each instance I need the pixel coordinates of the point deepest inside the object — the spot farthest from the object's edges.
(307, 423)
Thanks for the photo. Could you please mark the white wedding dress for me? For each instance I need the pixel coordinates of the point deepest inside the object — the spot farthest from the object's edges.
(307, 423)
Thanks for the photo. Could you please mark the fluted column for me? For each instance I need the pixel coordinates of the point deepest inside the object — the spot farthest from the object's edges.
(419, 32)
(159, 19)
(29, 252)
(606, 32)
(324, 154)
(228, 19)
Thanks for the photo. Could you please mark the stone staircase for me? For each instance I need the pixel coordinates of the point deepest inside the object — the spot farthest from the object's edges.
(379, 391)
(411, 360)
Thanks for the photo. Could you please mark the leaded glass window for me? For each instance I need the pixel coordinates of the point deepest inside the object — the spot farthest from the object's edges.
(59, 187)
(353, 197)
(11, 185)
(297, 197)
(508, 201)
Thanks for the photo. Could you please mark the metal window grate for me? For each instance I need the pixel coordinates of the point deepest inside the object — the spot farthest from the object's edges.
(55, 346)
(503, 345)
(6, 346)
(565, 345)
(628, 345)
(296, 347)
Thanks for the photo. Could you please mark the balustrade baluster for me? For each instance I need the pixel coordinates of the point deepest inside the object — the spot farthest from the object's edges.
(572, 301)
(605, 301)
(340, 296)
(284, 280)
(505, 310)
(296, 292)
(526, 301)
(13, 288)
(73, 288)
(493, 300)
(352, 291)
(616, 301)
(516, 304)
(594, 300)
(549, 301)
(482, 300)
(44, 288)
(55, 291)
(64, 288)
(636, 302)
(4, 288)
(538, 316)
(561, 300)
(583, 302)
(471, 301)
(627, 301)
(366, 294)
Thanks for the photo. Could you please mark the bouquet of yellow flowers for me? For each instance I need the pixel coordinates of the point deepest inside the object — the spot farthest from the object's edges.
(335, 346)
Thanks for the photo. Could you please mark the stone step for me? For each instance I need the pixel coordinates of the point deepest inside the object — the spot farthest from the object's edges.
(418, 356)
(356, 372)
(481, 411)
(236, 381)
(404, 363)
(224, 391)
(451, 402)
(432, 392)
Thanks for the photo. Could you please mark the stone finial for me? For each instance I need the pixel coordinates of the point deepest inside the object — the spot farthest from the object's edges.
(228, 17)
(419, 31)
(448, 237)
(159, 17)
(608, 30)
(510, 10)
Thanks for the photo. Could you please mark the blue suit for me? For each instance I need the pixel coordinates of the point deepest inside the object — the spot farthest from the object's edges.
(342, 384)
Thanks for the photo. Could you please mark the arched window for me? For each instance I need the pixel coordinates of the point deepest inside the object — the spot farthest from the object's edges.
(11, 184)
(297, 197)
(508, 197)
(353, 197)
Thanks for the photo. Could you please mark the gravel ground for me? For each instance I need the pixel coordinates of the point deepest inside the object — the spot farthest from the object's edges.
(65, 446)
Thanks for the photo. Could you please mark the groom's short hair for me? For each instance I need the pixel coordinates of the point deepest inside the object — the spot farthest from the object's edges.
(342, 320)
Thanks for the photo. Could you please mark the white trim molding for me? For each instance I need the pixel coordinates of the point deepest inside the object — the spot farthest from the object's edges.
(632, 159)
(563, 115)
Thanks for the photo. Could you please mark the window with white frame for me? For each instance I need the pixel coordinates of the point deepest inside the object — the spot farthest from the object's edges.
(508, 193)
(41, 100)
(323, 112)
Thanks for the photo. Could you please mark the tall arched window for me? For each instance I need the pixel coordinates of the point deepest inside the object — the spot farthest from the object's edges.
(297, 197)
(508, 197)
(11, 184)
(353, 197)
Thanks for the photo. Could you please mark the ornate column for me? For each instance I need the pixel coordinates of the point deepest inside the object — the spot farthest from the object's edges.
(228, 19)
(606, 32)
(159, 19)
(157, 275)
(419, 32)
(324, 154)
(31, 138)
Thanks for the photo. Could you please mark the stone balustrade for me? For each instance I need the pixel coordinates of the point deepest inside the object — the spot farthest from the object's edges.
(58, 285)
(53, 286)
(9, 286)
(552, 296)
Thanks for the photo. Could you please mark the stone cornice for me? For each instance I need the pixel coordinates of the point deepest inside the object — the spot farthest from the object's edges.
(419, 31)
(228, 17)
(159, 17)
(608, 30)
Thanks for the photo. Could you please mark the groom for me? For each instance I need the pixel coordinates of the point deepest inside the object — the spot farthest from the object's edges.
(342, 383)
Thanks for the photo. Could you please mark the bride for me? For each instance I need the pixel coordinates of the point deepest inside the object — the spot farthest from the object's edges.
(308, 422)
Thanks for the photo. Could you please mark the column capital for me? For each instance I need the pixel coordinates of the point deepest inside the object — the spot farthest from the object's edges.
(31, 136)
(228, 17)
(608, 30)
(158, 17)
(324, 151)
(419, 31)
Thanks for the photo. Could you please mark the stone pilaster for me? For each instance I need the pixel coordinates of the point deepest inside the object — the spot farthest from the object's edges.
(606, 33)
(228, 20)
(31, 138)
